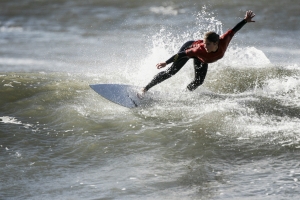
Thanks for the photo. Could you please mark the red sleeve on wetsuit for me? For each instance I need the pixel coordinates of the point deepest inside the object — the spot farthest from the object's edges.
(229, 34)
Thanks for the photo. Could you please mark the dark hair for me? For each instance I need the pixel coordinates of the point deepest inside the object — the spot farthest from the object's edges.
(211, 36)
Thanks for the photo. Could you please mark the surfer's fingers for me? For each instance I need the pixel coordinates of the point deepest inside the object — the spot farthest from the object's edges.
(160, 65)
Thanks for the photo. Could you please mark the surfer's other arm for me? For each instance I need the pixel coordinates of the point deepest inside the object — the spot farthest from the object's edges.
(174, 58)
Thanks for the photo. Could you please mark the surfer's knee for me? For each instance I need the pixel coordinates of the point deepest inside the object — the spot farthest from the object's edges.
(195, 84)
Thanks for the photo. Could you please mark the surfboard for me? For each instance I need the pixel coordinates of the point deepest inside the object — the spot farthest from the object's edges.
(124, 95)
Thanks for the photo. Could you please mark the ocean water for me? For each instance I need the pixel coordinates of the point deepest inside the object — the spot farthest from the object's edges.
(235, 137)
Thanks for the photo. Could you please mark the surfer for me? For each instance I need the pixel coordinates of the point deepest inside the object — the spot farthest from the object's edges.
(208, 50)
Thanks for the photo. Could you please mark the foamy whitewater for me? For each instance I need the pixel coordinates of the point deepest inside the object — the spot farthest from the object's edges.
(235, 137)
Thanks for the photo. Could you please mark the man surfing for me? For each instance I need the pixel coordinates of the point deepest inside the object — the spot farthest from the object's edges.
(208, 50)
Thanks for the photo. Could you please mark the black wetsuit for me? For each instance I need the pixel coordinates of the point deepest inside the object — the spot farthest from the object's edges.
(179, 61)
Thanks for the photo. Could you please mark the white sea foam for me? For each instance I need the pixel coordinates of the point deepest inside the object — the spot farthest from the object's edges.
(164, 10)
(9, 120)
(286, 89)
(6, 29)
(245, 57)
(13, 120)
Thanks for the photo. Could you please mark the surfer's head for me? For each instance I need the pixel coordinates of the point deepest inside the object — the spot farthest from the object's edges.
(211, 41)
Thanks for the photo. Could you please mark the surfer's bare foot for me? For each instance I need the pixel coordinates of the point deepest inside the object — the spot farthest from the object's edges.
(141, 94)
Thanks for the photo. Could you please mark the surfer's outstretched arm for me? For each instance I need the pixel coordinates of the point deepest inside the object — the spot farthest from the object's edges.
(248, 18)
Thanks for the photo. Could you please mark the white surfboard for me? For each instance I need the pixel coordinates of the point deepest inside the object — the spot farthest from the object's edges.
(124, 95)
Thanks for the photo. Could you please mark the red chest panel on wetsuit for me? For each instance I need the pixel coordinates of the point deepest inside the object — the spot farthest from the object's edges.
(197, 50)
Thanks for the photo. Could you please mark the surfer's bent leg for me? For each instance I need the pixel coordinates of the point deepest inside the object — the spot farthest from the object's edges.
(200, 73)
(176, 66)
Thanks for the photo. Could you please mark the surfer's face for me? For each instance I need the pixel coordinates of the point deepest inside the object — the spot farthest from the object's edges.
(210, 46)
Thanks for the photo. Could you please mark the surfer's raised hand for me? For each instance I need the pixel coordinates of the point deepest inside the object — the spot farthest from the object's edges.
(249, 15)
(161, 65)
